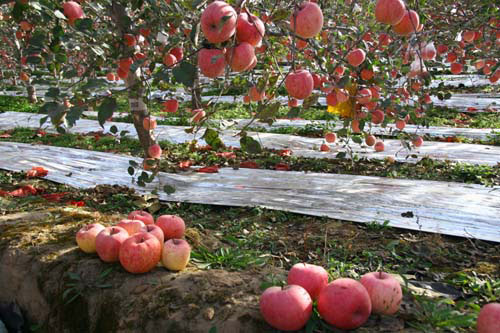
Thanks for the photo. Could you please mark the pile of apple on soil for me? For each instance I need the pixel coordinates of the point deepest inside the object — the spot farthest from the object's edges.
(344, 303)
(138, 243)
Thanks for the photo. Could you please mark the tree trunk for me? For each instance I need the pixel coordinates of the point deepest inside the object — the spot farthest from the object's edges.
(196, 90)
(31, 90)
(139, 110)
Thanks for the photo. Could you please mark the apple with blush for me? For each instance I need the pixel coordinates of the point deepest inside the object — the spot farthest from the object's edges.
(141, 216)
(172, 226)
(155, 231)
(307, 21)
(85, 237)
(140, 253)
(108, 243)
(312, 278)
(488, 320)
(385, 292)
(299, 84)
(131, 226)
(218, 22)
(287, 309)
(175, 254)
(344, 303)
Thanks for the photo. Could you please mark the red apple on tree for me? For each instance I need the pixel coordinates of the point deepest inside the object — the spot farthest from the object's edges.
(385, 292)
(211, 62)
(307, 21)
(218, 22)
(140, 253)
(299, 84)
(108, 243)
(240, 57)
(408, 25)
(344, 303)
(85, 237)
(171, 105)
(250, 29)
(390, 11)
(172, 226)
(288, 308)
(312, 278)
(488, 320)
(356, 57)
(175, 254)
(154, 151)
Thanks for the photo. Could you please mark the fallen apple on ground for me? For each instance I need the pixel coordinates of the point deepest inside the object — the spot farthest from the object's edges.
(288, 308)
(85, 237)
(175, 254)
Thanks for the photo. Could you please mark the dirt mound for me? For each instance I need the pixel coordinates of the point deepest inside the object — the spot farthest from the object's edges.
(64, 290)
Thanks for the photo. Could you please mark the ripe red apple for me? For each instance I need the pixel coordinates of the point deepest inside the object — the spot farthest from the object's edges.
(408, 24)
(108, 243)
(456, 68)
(85, 237)
(175, 254)
(344, 303)
(131, 226)
(211, 62)
(418, 141)
(331, 99)
(488, 320)
(312, 278)
(149, 123)
(342, 95)
(169, 60)
(293, 103)
(154, 151)
(384, 290)
(364, 96)
(286, 309)
(370, 140)
(155, 231)
(379, 146)
(250, 29)
(330, 137)
(355, 126)
(240, 57)
(177, 52)
(141, 216)
(72, 10)
(218, 22)
(140, 253)
(400, 124)
(378, 116)
(171, 105)
(307, 21)
(390, 11)
(324, 147)
(299, 84)
(172, 226)
(256, 95)
(356, 57)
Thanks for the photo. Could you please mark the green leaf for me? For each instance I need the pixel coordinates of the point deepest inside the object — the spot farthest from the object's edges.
(250, 145)
(169, 189)
(53, 92)
(83, 24)
(212, 138)
(113, 129)
(185, 73)
(74, 114)
(310, 101)
(133, 163)
(106, 109)
(131, 171)
(280, 14)
(269, 112)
